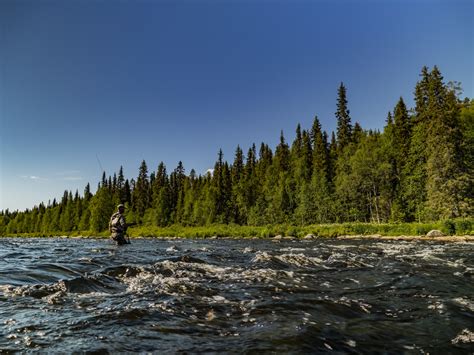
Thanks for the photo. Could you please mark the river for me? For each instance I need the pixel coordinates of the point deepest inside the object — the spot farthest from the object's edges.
(236, 296)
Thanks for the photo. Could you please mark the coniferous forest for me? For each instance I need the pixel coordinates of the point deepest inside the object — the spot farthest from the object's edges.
(420, 168)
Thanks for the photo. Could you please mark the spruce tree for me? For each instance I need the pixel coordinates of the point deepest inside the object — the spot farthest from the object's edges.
(467, 147)
(358, 133)
(282, 156)
(177, 178)
(141, 193)
(306, 158)
(162, 197)
(414, 192)
(446, 174)
(239, 211)
(397, 139)
(320, 160)
(344, 127)
(253, 179)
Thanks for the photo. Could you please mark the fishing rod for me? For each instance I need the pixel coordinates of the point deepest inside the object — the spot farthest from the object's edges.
(100, 165)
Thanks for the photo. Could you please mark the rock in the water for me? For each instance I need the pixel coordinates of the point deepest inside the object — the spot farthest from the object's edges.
(309, 236)
(279, 236)
(435, 233)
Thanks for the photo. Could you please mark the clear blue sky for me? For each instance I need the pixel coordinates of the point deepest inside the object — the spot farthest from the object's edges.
(177, 80)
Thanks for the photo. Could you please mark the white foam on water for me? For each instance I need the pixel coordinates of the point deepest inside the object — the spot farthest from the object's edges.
(438, 306)
(290, 249)
(172, 249)
(466, 303)
(392, 249)
(289, 259)
(466, 336)
(215, 299)
(342, 247)
(180, 278)
(351, 343)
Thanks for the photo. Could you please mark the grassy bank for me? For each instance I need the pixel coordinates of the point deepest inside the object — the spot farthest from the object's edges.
(452, 227)
(449, 227)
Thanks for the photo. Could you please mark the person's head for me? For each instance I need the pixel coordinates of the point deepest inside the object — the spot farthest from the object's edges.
(121, 208)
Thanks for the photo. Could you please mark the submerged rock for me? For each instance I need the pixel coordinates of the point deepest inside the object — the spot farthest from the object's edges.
(435, 233)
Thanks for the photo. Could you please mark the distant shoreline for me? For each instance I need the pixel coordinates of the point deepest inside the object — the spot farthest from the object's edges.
(448, 230)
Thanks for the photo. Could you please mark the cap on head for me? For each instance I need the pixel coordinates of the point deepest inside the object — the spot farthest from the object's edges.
(121, 207)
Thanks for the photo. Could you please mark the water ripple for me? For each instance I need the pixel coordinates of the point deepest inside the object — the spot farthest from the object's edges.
(64, 295)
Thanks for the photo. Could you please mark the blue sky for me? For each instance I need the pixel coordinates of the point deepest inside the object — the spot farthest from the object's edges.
(123, 81)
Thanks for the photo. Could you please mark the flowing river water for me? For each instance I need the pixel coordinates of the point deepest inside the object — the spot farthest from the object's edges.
(236, 296)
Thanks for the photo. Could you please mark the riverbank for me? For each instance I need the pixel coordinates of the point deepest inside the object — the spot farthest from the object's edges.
(452, 230)
(449, 238)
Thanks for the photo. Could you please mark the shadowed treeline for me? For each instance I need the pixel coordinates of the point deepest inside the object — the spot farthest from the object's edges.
(420, 168)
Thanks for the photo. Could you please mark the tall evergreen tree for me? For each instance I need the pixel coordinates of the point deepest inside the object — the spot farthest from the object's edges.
(414, 192)
(282, 155)
(344, 127)
(141, 193)
(397, 140)
(446, 184)
(239, 212)
(177, 178)
(161, 197)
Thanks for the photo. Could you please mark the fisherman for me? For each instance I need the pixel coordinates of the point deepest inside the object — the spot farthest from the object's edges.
(118, 226)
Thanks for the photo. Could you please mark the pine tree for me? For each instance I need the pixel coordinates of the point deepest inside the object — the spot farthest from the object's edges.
(467, 147)
(162, 197)
(177, 178)
(141, 193)
(66, 223)
(282, 200)
(127, 192)
(333, 155)
(357, 134)
(306, 165)
(239, 213)
(402, 134)
(282, 156)
(320, 150)
(254, 179)
(414, 192)
(221, 189)
(397, 138)
(344, 127)
(446, 182)
(104, 180)
(297, 145)
(314, 203)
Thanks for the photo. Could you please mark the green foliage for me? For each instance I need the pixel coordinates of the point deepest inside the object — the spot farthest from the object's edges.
(344, 127)
(420, 168)
(102, 207)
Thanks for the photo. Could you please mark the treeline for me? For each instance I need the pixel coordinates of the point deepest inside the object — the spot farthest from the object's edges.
(420, 168)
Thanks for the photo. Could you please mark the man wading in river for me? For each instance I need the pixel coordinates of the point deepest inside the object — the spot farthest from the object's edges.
(118, 226)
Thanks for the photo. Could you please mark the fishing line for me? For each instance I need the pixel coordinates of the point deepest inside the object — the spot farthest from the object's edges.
(100, 165)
